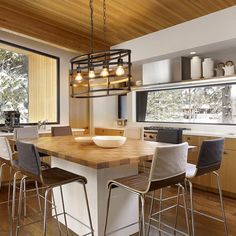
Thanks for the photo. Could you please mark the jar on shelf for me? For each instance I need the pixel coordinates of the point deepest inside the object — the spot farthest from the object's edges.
(196, 67)
(208, 68)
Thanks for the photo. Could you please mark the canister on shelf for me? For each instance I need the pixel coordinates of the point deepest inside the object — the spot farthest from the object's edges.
(208, 68)
(196, 67)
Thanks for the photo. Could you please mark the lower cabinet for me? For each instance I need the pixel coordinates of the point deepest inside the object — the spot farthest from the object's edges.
(113, 132)
(227, 172)
(228, 166)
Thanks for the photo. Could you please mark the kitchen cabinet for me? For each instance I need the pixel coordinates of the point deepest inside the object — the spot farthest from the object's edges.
(105, 131)
(227, 171)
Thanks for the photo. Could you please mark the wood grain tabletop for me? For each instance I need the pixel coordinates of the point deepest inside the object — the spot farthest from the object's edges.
(88, 154)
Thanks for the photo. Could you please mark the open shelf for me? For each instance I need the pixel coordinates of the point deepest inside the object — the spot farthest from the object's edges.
(188, 83)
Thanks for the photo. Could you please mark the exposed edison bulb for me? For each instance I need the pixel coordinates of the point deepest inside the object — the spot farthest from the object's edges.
(91, 73)
(104, 72)
(79, 76)
(120, 70)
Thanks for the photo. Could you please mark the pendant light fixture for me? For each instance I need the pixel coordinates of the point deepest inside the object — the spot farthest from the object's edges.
(103, 73)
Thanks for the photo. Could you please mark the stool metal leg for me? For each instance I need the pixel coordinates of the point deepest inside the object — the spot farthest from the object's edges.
(185, 208)
(64, 211)
(177, 210)
(160, 208)
(142, 214)
(45, 212)
(107, 211)
(20, 204)
(221, 201)
(55, 210)
(9, 187)
(37, 191)
(150, 213)
(89, 214)
(13, 201)
(25, 213)
(191, 205)
(1, 166)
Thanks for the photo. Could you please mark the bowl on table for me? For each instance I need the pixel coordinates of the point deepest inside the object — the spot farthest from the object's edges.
(109, 141)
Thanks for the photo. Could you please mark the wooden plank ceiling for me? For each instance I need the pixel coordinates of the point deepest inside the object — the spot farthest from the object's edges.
(66, 22)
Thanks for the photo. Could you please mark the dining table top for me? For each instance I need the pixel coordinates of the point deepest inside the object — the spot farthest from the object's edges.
(90, 155)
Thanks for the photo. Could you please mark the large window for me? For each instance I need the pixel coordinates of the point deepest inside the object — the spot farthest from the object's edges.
(208, 104)
(29, 83)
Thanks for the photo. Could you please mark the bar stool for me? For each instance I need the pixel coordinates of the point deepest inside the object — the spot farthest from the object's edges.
(61, 131)
(25, 132)
(209, 161)
(29, 132)
(29, 165)
(6, 159)
(7, 156)
(168, 168)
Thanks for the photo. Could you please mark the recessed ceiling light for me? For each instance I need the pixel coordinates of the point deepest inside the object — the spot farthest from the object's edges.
(192, 53)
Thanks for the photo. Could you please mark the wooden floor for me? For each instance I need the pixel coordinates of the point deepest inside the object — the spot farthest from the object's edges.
(204, 201)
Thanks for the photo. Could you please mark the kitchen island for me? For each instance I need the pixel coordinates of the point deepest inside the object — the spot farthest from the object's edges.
(98, 165)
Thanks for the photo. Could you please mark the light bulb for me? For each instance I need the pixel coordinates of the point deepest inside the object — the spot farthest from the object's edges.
(120, 70)
(79, 76)
(91, 73)
(104, 72)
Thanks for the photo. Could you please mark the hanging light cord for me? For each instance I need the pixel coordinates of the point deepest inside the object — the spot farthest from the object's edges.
(91, 25)
(104, 21)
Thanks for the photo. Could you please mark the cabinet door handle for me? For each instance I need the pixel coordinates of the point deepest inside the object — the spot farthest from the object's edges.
(225, 153)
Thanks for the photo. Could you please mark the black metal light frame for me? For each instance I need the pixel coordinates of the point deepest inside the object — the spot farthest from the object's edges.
(114, 85)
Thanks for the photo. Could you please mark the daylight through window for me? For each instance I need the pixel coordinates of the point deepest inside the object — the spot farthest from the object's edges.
(28, 84)
(208, 104)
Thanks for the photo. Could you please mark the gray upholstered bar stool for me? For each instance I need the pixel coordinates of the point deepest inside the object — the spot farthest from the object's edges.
(29, 165)
(168, 168)
(7, 156)
(29, 132)
(61, 131)
(209, 161)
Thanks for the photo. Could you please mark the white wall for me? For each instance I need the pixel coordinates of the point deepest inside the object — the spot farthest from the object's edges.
(210, 29)
(206, 31)
(64, 67)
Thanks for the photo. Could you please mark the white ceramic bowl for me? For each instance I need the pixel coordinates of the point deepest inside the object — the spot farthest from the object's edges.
(109, 141)
(84, 139)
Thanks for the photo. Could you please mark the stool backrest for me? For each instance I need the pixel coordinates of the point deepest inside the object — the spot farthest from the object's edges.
(5, 149)
(133, 133)
(169, 136)
(28, 160)
(169, 161)
(210, 156)
(26, 132)
(61, 131)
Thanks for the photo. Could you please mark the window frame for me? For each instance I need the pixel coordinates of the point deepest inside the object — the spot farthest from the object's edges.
(175, 88)
(57, 72)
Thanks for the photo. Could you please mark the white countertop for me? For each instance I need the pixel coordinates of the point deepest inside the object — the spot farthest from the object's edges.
(186, 132)
(212, 134)
(41, 131)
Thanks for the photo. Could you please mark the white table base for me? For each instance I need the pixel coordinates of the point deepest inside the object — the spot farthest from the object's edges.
(124, 205)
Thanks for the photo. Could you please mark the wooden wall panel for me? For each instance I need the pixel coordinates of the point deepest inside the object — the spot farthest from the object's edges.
(79, 113)
(42, 88)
